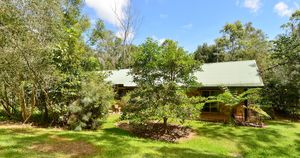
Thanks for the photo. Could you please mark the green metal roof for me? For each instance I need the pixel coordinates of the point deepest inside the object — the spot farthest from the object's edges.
(229, 74)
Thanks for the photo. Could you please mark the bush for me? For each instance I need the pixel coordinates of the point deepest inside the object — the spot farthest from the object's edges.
(89, 110)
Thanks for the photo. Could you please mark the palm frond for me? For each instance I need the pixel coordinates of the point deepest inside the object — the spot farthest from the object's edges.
(257, 109)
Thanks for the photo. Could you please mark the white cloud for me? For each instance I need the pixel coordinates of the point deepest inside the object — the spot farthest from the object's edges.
(160, 40)
(113, 12)
(282, 9)
(253, 5)
(109, 10)
(187, 26)
(163, 16)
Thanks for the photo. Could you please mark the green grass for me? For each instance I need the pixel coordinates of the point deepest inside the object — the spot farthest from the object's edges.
(278, 139)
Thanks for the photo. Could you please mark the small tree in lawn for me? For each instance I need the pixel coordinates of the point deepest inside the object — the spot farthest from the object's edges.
(163, 74)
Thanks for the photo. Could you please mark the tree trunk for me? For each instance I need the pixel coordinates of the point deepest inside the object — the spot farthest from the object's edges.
(165, 124)
(33, 103)
(6, 100)
(46, 104)
(6, 109)
(46, 114)
(22, 103)
(246, 111)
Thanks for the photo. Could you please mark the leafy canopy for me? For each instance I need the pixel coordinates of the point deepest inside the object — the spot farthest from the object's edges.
(45, 61)
(163, 73)
(283, 74)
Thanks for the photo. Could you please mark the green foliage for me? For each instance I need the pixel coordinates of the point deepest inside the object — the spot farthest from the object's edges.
(159, 70)
(157, 103)
(208, 54)
(28, 37)
(233, 99)
(283, 75)
(123, 101)
(258, 110)
(242, 42)
(109, 48)
(91, 108)
(45, 61)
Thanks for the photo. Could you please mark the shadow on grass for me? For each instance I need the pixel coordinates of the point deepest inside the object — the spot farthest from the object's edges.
(113, 142)
(109, 142)
(284, 123)
(15, 142)
(250, 141)
(175, 152)
(116, 142)
(297, 141)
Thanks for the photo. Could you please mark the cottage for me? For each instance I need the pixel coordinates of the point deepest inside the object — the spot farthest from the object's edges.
(239, 75)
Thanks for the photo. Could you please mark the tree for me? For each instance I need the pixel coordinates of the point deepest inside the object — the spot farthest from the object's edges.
(74, 62)
(243, 42)
(27, 39)
(283, 75)
(163, 75)
(208, 54)
(109, 47)
(128, 23)
(44, 60)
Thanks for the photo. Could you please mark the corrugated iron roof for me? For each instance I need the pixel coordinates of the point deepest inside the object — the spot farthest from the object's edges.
(229, 74)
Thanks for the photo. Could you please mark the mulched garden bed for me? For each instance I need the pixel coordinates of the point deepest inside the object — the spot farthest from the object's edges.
(157, 131)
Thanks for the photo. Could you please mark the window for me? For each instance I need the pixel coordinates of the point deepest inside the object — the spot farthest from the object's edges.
(206, 108)
(210, 107)
(214, 107)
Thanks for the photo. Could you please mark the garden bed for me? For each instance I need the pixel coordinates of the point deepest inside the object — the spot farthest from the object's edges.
(158, 131)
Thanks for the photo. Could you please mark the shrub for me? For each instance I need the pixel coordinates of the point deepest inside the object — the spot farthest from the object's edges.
(89, 110)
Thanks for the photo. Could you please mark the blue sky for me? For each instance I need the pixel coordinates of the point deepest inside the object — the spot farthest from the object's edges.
(193, 22)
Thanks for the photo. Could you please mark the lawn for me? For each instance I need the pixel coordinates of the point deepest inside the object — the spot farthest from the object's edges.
(278, 139)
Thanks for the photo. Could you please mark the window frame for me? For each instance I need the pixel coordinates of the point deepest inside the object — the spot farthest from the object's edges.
(210, 92)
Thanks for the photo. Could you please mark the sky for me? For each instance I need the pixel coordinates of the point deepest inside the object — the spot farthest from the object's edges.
(192, 22)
